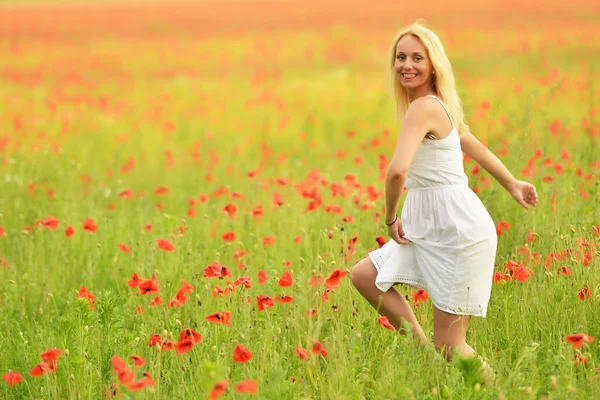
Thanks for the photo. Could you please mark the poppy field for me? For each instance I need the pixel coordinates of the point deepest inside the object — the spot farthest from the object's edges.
(185, 188)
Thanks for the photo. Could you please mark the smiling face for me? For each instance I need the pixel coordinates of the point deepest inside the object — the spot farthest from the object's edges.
(412, 64)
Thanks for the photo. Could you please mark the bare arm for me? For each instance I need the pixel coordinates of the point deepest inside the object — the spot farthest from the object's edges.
(488, 160)
(523, 192)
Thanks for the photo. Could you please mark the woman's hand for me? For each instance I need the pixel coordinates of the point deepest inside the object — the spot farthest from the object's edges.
(524, 193)
(396, 232)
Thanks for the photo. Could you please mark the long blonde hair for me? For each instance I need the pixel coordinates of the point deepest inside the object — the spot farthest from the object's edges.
(444, 77)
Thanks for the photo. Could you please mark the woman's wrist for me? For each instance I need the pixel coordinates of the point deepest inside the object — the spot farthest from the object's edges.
(391, 223)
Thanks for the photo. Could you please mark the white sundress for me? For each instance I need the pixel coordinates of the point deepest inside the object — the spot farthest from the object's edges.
(453, 238)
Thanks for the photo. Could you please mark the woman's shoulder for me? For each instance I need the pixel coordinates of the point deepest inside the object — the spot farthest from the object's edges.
(425, 104)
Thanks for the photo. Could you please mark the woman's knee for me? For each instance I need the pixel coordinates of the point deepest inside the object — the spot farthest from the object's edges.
(363, 273)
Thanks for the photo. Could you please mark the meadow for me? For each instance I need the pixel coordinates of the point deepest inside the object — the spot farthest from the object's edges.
(185, 188)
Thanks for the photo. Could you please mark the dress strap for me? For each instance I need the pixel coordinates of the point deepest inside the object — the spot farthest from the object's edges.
(443, 105)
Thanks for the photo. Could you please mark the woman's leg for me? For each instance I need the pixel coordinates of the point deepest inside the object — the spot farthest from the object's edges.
(390, 304)
(449, 337)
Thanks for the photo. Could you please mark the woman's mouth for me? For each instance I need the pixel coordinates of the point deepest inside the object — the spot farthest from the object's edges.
(409, 77)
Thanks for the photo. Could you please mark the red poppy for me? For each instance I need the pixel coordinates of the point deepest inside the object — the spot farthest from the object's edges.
(578, 339)
(311, 313)
(262, 277)
(230, 209)
(222, 317)
(241, 354)
(522, 273)
(124, 248)
(228, 237)
(580, 359)
(90, 225)
(2, 232)
(269, 241)
(264, 302)
(564, 270)
(283, 299)
(179, 300)
(185, 288)
(302, 353)
(318, 348)
(126, 194)
(124, 374)
(165, 245)
(247, 386)
(384, 321)
(381, 241)
(51, 222)
(142, 383)
(84, 293)
(420, 295)
(243, 280)
(148, 286)
(218, 390)
(216, 270)
(69, 231)
(156, 302)
(148, 227)
(316, 280)
(12, 378)
(161, 190)
(286, 279)
(137, 361)
(135, 281)
(334, 279)
(155, 339)
(584, 293)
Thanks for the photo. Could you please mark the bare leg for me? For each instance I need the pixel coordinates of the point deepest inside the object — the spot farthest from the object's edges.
(390, 304)
(449, 337)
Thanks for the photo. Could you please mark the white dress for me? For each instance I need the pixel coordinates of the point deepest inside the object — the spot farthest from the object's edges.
(453, 238)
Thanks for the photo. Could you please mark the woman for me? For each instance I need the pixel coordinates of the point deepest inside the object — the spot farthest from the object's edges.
(445, 240)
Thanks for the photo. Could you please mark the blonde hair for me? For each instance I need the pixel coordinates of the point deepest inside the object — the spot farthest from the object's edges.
(444, 77)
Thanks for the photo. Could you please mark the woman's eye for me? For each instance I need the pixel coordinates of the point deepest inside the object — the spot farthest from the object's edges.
(400, 57)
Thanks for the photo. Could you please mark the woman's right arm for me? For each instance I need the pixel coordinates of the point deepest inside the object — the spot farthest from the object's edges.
(523, 192)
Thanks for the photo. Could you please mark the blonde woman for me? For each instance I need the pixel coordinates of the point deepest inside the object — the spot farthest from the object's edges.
(445, 240)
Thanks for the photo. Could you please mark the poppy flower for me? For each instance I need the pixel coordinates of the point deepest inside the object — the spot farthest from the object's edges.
(578, 339)
(262, 277)
(156, 302)
(84, 293)
(90, 225)
(302, 353)
(522, 273)
(241, 354)
(51, 222)
(311, 313)
(148, 286)
(584, 293)
(316, 280)
(580, 359)
(2, 232)
(230, 209)
(247, 386)
(243, 280)
(334, 279)
(142, 383)
(137, 361)
(283, 299)
(69, 231)
(264, 302)
(381, 241)
(161, 190)
(222, 317)
(420, 295)
(318, 348)
(12, 378)
(124, 374)
(269, 241)
(286, 279)
(216, 270)
(500, 277)
(165, 244)
(384, 321)
(228, 237)
(185, 345)
(135, 281)
(155, 339)
(564, 270)
(124, 248)
(218, 390)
